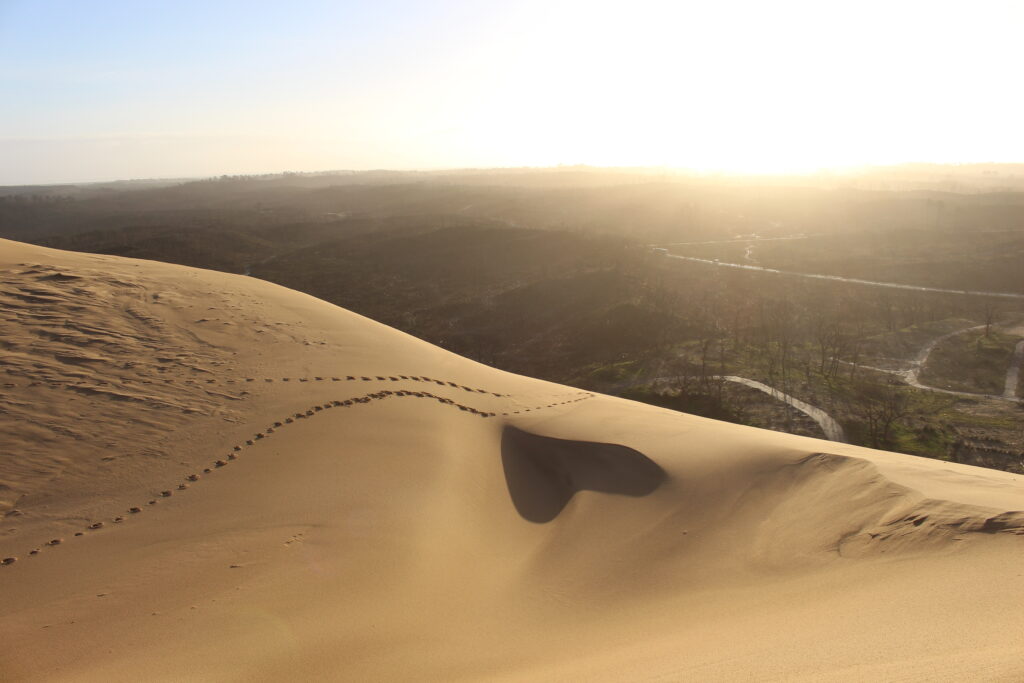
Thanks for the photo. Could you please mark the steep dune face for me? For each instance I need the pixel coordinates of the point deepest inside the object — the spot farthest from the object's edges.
(246, 483)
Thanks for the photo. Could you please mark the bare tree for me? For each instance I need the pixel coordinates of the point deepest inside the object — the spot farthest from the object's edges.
(990, 313)
(879, 405)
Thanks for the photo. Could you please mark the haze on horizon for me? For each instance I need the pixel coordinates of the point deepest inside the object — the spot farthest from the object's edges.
(116, 89)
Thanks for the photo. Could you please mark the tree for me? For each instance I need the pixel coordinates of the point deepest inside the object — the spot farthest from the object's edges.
(989, 312)
(879, 406)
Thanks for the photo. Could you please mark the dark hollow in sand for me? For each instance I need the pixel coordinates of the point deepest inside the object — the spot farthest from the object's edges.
(544, 473)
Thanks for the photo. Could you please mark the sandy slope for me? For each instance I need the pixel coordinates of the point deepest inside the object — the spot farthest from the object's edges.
(405, 514)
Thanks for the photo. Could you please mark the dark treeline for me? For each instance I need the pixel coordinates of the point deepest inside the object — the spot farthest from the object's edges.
(647, 207)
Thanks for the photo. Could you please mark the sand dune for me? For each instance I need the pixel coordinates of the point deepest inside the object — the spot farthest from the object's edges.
(209, 477)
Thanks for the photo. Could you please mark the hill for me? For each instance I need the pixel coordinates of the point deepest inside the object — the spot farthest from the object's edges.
(207, 477)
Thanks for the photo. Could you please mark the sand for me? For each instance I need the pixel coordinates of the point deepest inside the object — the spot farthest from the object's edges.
(246, 483)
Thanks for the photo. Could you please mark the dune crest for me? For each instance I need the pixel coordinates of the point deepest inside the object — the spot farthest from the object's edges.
(207, 464)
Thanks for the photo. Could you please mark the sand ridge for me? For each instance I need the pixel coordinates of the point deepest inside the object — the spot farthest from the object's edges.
(233, 481)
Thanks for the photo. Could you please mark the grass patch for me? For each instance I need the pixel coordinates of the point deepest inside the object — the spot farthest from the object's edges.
(971, 362)
(615, 372)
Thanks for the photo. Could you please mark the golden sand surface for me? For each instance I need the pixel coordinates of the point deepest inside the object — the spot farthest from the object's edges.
(209, 477)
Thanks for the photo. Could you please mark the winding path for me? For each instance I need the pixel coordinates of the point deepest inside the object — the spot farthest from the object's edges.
(832, 429)
(742, 239)
(837, 278)
(1013, 374)
(911, 375)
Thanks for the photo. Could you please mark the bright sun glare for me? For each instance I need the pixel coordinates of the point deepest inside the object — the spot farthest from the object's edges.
(764, 87)
(736, 85)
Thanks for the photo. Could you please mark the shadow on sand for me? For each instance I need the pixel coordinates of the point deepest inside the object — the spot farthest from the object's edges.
(544, 473)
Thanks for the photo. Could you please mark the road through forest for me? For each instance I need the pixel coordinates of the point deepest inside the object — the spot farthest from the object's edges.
(832, 429)
(837, 278)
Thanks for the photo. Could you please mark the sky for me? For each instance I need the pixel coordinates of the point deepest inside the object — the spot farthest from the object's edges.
(105, 89)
